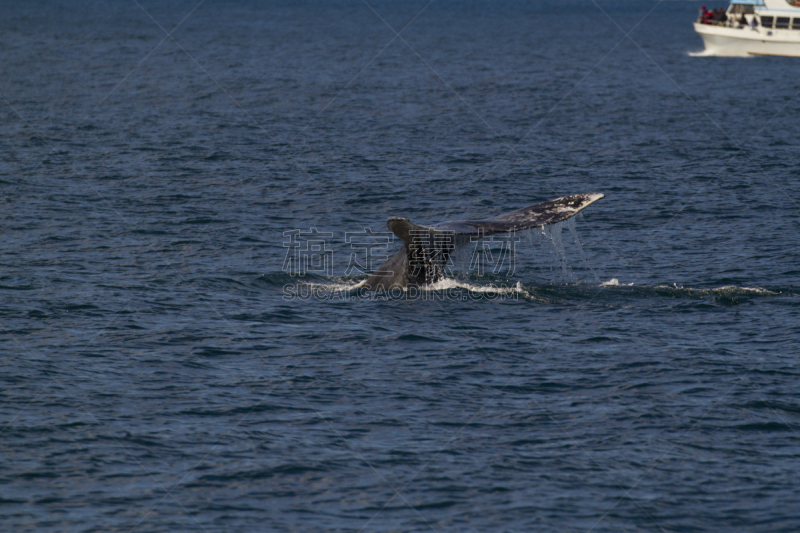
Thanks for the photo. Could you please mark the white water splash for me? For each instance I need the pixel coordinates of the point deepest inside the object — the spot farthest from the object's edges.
(332, 287)
(574, 232)
(553, 234)
(547, 244)
(441, 285)
(444, 289)
(614, 282)
(450, 283)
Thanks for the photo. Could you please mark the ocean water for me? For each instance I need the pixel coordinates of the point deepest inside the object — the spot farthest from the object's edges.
(164, 368)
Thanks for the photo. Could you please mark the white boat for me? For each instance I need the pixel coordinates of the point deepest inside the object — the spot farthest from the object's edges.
(754, 27)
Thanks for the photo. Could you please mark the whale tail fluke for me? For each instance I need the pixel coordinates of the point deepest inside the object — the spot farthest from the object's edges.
(427, 249)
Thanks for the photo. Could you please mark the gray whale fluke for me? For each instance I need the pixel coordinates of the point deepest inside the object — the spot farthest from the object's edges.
(426, 249)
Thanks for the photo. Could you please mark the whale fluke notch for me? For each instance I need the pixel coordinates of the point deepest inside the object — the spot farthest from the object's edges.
(427, 249)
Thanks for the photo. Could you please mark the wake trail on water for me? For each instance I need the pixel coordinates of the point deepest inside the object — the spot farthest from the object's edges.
(725, 290)
(706, 53)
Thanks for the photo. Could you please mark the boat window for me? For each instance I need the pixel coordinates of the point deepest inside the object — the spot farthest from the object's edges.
(782, 23)
(742, 9)
(796, 24)
(766, 22)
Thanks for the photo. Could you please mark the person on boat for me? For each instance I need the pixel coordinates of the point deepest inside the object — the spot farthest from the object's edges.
(742, 22)
(753, 23)
(719, 16)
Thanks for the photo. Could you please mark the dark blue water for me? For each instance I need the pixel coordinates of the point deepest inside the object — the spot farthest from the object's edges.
(157, 376)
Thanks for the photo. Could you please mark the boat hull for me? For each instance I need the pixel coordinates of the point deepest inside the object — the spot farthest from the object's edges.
(744, 42)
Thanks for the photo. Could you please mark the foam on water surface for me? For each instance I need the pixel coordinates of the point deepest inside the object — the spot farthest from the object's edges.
(709, 53)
